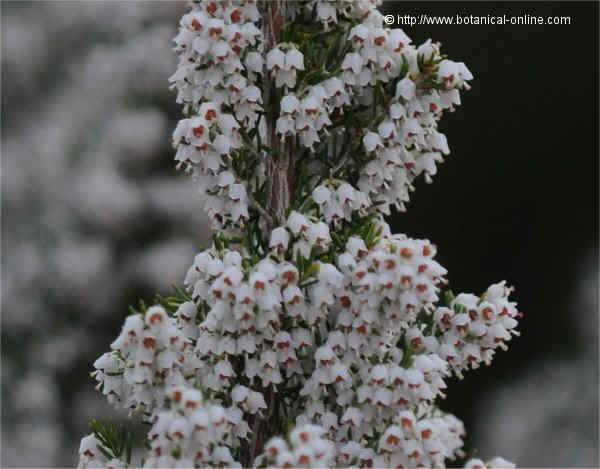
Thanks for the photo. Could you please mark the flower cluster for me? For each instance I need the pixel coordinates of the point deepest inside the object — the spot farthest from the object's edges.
(220, 90)
(402, 145)
(309, 232)
(306, 447)
(338, 10)
(212, 40)
(407, 143)
(309, 335)
(202, 142)
(473, 327)
(337, 201)
(245, 311)
(91, 456)
(194, 434)
(283, 63)
(413, 442)
(150, 355)
(494, 463)
(306, 117)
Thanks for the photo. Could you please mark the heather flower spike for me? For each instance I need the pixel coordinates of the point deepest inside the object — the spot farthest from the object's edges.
(308, 334)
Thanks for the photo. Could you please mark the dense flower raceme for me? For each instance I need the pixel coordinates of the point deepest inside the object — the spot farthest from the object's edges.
(317, 338)
(224, 64)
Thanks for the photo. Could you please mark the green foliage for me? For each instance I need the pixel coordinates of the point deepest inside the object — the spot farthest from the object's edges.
(448, 297)
(170, 303)
(114, 441)
(141, 308)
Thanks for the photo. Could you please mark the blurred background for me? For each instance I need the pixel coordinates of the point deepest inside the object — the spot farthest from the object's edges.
(94, 215)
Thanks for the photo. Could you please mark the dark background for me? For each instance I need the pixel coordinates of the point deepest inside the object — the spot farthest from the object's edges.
(516, 199)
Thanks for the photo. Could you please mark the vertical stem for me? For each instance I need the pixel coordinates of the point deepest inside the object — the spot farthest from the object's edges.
(260, 427)
(280, 174)
(281, 167)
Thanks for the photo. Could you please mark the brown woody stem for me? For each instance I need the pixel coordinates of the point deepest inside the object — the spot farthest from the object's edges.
(280, 174)
(281, 166)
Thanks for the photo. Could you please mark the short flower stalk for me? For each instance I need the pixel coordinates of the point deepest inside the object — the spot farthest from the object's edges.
(308, 334)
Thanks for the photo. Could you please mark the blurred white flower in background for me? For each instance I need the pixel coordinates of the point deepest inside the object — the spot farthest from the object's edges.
(89, 197)
(558, 397)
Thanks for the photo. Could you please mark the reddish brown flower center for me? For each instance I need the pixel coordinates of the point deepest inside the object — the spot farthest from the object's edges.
(198, 131)
(211, 8)
(235, 16)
